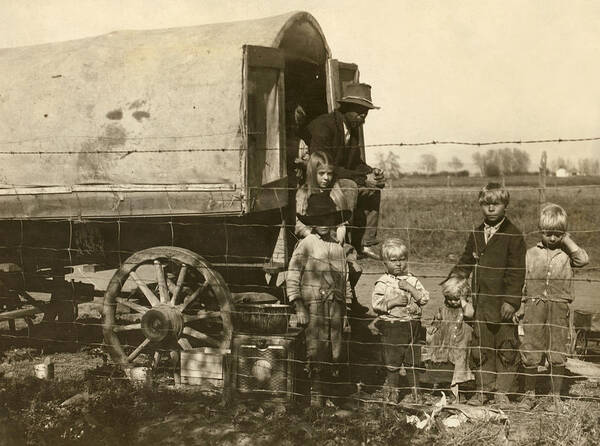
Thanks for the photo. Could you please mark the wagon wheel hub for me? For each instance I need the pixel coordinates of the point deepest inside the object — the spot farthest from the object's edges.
(161, 323)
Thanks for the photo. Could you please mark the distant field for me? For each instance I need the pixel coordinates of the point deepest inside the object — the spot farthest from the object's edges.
(435, 219)
(477, 182)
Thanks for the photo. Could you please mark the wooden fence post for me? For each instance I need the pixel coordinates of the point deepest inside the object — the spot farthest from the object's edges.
(542, 182)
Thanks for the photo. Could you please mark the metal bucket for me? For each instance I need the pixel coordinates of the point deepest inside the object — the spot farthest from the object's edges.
(44, 370)
(261, 318)
(142, 375)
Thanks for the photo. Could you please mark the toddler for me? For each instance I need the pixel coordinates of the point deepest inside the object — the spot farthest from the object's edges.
(449, 336)
(397, 300)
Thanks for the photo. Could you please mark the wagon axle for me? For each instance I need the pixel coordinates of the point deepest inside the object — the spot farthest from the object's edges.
(162, 323)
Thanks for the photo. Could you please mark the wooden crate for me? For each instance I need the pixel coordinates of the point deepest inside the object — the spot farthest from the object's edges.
(207, 367)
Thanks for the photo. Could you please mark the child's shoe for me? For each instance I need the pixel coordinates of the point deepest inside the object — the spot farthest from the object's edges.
(316, 394)
(411, 398)
(528, 401)
(477, 399)
(551, 403)
(501, 401)
(390, 387)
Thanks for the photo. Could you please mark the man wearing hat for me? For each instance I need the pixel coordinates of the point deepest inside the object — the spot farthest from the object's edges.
(337, 133)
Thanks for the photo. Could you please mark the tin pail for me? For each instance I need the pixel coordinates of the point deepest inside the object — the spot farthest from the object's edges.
(44, 371)
(140, 375)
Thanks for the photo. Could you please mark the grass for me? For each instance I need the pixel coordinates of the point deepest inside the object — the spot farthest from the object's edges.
(119, 413)
(531, 180)
(435, 221)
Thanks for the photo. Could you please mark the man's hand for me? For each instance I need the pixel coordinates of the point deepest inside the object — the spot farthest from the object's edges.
(519, 314)
(341, 234)
(371, 181)
(507, 311)
(301, 312)
(379, 177)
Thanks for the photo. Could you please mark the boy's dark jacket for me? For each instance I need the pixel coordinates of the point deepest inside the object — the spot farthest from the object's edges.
(498, 269)
(326, 133)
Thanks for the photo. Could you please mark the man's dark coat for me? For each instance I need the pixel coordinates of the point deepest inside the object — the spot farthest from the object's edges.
(326, 133)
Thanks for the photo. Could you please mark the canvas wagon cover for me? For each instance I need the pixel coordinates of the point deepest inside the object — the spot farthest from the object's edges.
(159, 107)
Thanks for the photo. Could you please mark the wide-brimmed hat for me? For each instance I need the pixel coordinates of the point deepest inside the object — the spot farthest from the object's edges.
(360, 94)
(321, 211)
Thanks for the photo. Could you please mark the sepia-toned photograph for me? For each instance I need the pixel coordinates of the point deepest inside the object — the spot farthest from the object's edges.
(301, 222)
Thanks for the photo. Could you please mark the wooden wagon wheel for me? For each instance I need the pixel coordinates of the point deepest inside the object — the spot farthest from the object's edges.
(177, 301)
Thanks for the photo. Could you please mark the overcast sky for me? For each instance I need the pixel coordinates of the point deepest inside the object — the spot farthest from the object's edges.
(471, 70)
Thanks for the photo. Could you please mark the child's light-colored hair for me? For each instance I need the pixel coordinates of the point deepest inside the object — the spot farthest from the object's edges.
(393, 246)
(316, 161)
(494, 193)
(553, 218)
(456, 287)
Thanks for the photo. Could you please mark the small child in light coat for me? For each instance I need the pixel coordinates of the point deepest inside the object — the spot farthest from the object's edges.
(449, 336)
(397, 300)
(318, 287)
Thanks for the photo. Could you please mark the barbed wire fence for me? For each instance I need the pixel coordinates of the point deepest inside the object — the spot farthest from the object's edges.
(145, 328)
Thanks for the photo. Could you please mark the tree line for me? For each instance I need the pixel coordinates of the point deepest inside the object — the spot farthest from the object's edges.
(491, 163)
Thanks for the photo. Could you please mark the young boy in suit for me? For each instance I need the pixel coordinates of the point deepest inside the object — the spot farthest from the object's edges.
(494, 257)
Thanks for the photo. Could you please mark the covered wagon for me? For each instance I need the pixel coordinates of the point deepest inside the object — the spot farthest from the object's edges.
(166, 155)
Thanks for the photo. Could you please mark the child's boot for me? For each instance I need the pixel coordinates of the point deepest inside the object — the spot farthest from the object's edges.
(316, 387)
(556, 380)
(413, 383)
(528, 400)
(390, 387)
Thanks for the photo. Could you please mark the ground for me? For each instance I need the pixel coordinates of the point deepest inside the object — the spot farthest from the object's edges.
(90, 402)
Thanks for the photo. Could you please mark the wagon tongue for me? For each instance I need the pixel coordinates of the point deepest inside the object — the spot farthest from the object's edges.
(162, 322)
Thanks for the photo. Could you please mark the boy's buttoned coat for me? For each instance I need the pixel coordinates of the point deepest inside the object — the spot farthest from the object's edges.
(498, 269)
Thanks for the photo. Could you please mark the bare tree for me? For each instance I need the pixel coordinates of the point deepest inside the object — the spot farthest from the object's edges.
(479, 161)
(589, 166)
(559, 162)
(390, 164)
(428, 163)
(505, 161)
(455, 163)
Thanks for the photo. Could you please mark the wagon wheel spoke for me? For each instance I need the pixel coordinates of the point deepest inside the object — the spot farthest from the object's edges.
(134, 354)
(162, 284)
(180, 280)
(136, 307)
(201, 336)
(190, 298)
(154, 301)
(128, 327)
(201, 315)
(184, 343)
(156, 359)
(175, 362)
